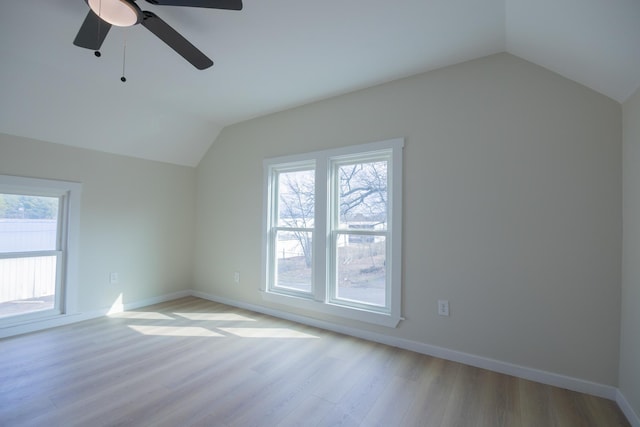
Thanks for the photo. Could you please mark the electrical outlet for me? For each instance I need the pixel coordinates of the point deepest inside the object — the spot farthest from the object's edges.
(443, 307)
(113, 278)
(236, 277)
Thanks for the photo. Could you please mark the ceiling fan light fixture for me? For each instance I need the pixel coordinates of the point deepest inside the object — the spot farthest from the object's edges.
(120, 13)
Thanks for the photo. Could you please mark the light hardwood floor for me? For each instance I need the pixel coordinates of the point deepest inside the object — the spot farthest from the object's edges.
(192, 362)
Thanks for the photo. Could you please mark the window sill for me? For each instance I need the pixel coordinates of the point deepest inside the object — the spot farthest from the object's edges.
(18, 326)
(381, 319)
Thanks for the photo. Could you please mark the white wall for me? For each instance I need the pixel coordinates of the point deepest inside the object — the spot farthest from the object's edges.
(512, 209)
(630, 319)
(137, 218)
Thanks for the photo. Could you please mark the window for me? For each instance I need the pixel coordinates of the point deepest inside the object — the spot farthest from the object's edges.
(35, 236)
(332, 231)
(293, 229)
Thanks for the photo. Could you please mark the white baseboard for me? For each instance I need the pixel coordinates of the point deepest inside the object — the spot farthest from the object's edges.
(627, 410)
(544, 377)
(67, 319)
(119, 308)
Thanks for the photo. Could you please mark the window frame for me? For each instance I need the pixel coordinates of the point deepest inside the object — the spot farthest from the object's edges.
(321, 298)
(335, 230)
(68, 194)
(274, 227)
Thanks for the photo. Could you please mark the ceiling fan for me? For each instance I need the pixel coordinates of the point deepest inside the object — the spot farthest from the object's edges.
(126, 13)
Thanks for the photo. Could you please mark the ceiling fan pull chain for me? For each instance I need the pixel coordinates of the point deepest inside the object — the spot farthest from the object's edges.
(97, 52)
(124, 58)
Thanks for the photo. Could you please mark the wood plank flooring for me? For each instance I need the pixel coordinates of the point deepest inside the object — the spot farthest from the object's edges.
(192, 362)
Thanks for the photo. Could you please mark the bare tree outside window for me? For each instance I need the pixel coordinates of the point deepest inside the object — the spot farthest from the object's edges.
(360, 251)
(333, 231)
(361, 239)
(363, 193)
(296, 205)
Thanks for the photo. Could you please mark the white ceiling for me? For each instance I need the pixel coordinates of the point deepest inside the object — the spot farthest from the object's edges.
(277, 54)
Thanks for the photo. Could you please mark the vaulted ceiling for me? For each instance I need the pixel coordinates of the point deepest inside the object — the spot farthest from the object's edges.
(274, 55)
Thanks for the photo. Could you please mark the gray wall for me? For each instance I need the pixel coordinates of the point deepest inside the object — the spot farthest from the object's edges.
(137, 218)
(512, 189)
(630, 325)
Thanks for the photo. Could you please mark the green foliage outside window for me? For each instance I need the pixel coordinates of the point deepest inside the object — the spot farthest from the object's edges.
(28, 207)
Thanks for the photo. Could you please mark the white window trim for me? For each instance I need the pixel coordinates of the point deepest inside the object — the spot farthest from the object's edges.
(70, 231)
(291, 167)
(320, 303)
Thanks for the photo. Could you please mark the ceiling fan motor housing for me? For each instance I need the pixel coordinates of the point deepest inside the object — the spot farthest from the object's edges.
(121, 13)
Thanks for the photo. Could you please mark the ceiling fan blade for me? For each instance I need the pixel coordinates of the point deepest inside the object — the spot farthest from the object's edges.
(175, 41)
(92, 32)
(211, 4)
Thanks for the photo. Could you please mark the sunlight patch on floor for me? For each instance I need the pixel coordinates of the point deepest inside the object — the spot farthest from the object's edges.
(267, 333)
(175, 331)
(146, 315)
(215, 316)
(117, 306)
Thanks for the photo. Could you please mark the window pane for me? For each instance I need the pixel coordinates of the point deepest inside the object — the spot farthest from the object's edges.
(28, 223)
(27, 284)
(361, 269)
(362, 197)
(293, 258)
(296, 198)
